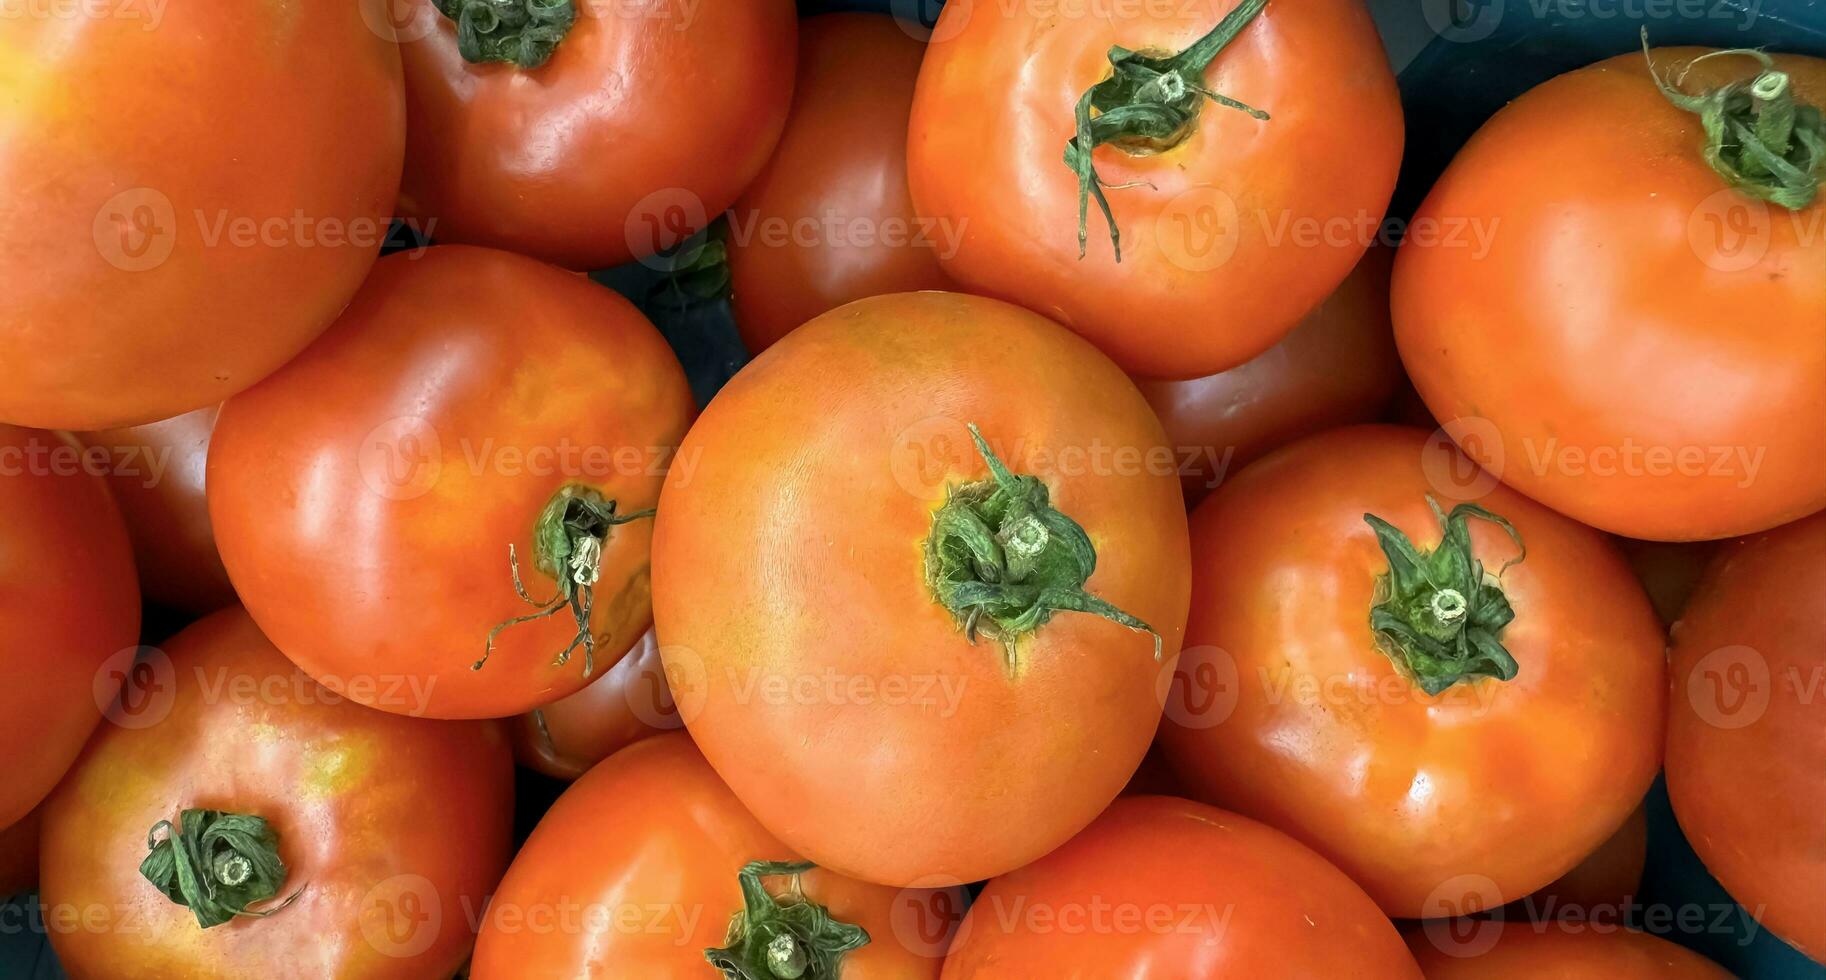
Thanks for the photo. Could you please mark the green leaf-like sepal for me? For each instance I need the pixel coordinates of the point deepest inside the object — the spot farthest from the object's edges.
(782, 938)
(216, 864)
(523, 33)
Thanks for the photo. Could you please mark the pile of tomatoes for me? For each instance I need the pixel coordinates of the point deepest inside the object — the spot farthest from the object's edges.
(1124, 555)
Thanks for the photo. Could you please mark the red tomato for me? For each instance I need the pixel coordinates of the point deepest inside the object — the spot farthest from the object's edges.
(1338, 366)
(1403, 724)
(156, 474)
(196, 190)
(1578, 313)
(1498, 951)
(1233, 227)
(636, 872)
(377, 501)
(69, 610)
(19, 855)
(1166, 887)
(646, 122)
(368, 887)
(629, 702)
(872, 635)
(830, 220)
(1746, 742)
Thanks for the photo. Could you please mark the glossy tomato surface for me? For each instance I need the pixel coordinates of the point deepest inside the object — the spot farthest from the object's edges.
(1230, 235)
(830, 220)
(156, 474)
(1287, 708)
(629, 702)
(1630, 341)
(1564, 951)
(193, 192)
(367, 499)
(69, 610)
(1337, 367)
(633, 872)
(1166, 887)
(228, 724)
(1746, 743)
(807, 648)
(647, 121)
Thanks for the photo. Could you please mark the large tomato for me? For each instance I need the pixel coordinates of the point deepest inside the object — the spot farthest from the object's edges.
(191, 192)
(589, 132)
(460, 465)
(69, 610)
(1495, 951)
(830, 220)
(648, 864)
(629, 702)
(1163, 887)
(301, 818)
(1234, 224)
(1602, 320)
(887, 638)
(1337, 367)
(1377, 670)
(1746, 749)
(156, 473)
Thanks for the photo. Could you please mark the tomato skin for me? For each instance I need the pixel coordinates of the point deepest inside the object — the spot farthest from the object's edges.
(1747, 731)
(168, 207)
(1602, 884)
(1337, 367)
(19, 855)
(816, 476)
(666, 113)
(992, 117)
(843, 157)
(68, 603)
(156, 475)
(1583, 952)
(1609, 332)
(1509, 782)
(239, 728)
(1275, 907)
(365, 498)
(653, 827)
(629, 702)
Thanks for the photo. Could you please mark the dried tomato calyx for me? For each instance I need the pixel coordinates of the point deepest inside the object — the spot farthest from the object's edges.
(218, 865)
(782, 938)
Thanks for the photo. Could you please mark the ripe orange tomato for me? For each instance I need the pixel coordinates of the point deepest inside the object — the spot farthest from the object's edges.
(69, 609)
(829, 220)
(197, 190)
(1232, 227)
(887, 637)
(639, 870)
(1337, 367)
(1562, 952)
(647, 120)
(1589, 344)
(1165, 887)
(1747, 731)
(460, 465)
(156, 473)
(1398, 687)
(629, 702)
(228, 731)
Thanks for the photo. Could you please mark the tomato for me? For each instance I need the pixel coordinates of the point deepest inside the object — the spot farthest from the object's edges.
(1232, 227)
(196, 191)
(1747, 734)
(638, 871)
(156, 474)
(1603, 884)
(829, 220)
(69, 607)
(1669, 571)
(629, 702)
(1519, 952)
(647, 120)
(1166, 887)
(1587, 338)
(1338, 366)
(228, 731)
(474, 443)
(872, 635)
(1414, 698)
(19, 855)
